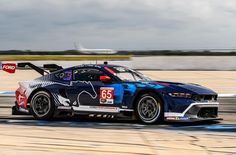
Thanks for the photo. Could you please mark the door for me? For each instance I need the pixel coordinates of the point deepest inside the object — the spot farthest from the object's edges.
(88, 90)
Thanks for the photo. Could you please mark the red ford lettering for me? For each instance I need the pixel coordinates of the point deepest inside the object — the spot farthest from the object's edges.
(10, 68)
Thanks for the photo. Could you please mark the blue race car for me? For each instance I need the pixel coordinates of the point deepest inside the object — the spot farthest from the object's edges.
(111, 90)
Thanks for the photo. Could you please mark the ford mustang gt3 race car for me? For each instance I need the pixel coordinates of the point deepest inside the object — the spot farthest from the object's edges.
(111, 90)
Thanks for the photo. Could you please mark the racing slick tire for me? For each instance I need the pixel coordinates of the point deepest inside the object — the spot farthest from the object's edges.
(149, 108)
(42, 106)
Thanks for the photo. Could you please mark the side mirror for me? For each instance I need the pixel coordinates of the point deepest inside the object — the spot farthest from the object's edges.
(105, 78)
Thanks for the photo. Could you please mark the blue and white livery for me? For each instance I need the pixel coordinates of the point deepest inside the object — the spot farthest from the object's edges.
(114, 90)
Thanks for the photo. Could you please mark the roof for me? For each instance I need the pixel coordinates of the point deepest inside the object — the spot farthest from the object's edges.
(100, 65)
(92, 65)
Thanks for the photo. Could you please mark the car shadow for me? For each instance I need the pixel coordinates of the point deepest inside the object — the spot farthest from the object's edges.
(100, 122)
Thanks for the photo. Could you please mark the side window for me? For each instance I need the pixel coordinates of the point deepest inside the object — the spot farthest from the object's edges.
(87, 74)
(64, 75)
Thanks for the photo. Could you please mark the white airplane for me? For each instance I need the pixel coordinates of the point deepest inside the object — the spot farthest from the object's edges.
(94, 51)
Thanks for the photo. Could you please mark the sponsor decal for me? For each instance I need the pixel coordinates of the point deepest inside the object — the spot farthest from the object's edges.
(67, 75)
(106, 95)
(97, 109)
(9, 67)
(184, 118)
(178, 118)
(170, 118)
(103, 107)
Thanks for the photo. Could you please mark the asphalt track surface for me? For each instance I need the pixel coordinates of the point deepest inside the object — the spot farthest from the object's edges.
(83, 135)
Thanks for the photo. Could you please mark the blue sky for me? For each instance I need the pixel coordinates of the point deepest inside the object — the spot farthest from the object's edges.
(117, 24)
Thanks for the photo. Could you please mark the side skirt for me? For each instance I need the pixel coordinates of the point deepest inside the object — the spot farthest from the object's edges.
(102, 109)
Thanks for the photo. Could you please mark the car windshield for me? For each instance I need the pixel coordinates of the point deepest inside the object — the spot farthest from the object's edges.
(126, 74)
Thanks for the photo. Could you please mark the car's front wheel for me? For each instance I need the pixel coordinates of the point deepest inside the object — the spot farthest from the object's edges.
(42, 106)
(149, 108)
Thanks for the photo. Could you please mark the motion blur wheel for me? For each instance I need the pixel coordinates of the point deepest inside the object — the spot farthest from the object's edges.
(149, 108)
(42, 106)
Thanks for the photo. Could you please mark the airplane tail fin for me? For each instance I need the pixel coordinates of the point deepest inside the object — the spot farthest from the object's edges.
(78, 46)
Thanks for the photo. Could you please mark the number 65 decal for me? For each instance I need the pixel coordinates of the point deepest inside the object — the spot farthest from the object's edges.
(106, 95)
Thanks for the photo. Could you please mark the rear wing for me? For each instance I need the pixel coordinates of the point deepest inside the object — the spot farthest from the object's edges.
(52, 67)
(40, 70)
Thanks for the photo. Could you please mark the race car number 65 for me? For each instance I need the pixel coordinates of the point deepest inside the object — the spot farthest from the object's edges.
(106, 94)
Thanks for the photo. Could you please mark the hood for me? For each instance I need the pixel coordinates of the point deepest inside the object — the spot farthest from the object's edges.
(184, 87)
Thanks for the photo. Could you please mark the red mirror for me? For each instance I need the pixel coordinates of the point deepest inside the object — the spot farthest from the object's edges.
(105, 78)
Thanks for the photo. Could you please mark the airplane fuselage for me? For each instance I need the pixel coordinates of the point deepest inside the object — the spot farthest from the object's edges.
(97, 51)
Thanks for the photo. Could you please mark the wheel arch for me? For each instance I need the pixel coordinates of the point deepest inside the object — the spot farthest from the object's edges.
(145, 91)
(37, 90)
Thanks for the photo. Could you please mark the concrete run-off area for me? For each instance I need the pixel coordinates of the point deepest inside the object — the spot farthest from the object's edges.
(220, 81)
(46, 140)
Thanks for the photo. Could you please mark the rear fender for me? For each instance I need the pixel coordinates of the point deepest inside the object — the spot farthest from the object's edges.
(37, 90)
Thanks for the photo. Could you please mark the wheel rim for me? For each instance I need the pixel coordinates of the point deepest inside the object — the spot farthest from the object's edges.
(41, 105)
(149, 109)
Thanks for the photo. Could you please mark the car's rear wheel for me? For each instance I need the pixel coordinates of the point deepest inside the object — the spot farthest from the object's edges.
(42, 106)
(149, 108)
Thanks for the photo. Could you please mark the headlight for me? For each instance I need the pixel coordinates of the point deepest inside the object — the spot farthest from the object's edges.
(181, 95)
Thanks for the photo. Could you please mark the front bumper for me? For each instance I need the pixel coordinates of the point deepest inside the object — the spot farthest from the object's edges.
(197, 111)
